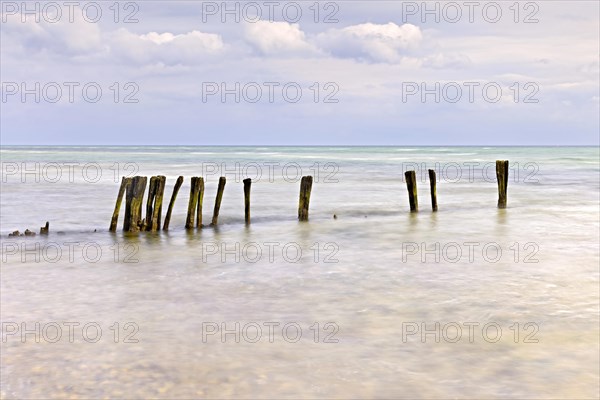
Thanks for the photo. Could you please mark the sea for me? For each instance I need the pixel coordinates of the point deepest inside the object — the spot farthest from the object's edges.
(366, 299)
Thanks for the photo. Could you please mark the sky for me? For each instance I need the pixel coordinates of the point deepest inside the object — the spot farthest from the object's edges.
(300, 73)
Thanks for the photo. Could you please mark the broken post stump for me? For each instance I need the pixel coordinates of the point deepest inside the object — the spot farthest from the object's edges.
(218, 199)
(411, 185)
(247, 184)
(156, 192)
(133, 204)
(432, 183)
(178, 184)
(502, 177)
(200, 185)
(45, 229)
(115, 217)
(194, 192)
(304, 200)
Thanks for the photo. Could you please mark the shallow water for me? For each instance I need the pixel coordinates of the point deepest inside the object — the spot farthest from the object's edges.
(372, 279)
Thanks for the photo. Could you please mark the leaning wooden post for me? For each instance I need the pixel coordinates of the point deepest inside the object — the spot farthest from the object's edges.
(304, 201)
(200, 184)
(502, 177)
(115, 217)
(432, 184)
(172, 202)
(247, 184)
(133, 203)
(411, 185)
(218, 199)
(189, 221)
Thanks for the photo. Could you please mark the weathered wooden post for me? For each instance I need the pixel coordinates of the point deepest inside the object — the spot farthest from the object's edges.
(432, 183)
(218, 199)
(149, 203)
(247, 184)
(411, 185)
(194, 191)
(200, 185)
(133, 203)
(115, 217)
(502, 177)
(154, 203)
(178, 184)
(304, 200)
(45, 229)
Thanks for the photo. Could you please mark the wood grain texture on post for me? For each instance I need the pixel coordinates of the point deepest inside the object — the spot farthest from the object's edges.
(194, 191)
(178, 184)
(133, 204)
(150, 201)
(200, 187)
(304, 200)
(115, 217)
(218, 199)
(502, 177)
(432, 188)
(411, 185)
(158, 190)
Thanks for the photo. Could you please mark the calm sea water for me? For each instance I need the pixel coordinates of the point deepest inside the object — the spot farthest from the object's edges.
(468, 302)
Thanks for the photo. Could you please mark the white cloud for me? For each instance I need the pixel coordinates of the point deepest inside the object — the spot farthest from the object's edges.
(165, 47)
(372, 42)
(278, 38)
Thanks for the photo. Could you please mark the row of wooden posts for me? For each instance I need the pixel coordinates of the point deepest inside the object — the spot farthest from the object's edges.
(133, 189)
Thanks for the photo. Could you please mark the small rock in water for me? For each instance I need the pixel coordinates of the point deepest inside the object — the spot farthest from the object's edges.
(15, 233)
(334, 216)
(29, 233)
(45, 229)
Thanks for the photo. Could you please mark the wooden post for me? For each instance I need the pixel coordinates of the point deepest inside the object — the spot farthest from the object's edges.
(133, 204)
(154, 203)
(200, 184)
(432, 183)
(411, 185)
(247, 184)
(502, 177)
(172, 202)
(304, 201)
(194, 191)
(150, 202)
(218, 199)
(45, 229)
(115, 217)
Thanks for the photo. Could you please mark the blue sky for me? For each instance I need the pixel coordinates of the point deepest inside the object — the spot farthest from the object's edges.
(368, 72)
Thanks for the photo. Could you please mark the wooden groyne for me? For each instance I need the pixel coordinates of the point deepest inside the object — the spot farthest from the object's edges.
(176, 188)
(502, 177)
(433, 190)
(411, 185)
(247, 184)
(133, 190)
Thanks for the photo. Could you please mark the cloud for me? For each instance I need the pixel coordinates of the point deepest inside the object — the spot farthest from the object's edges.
(372, 42)
(166, 47)
(441, 61)
(278, 38)
(62, 37)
